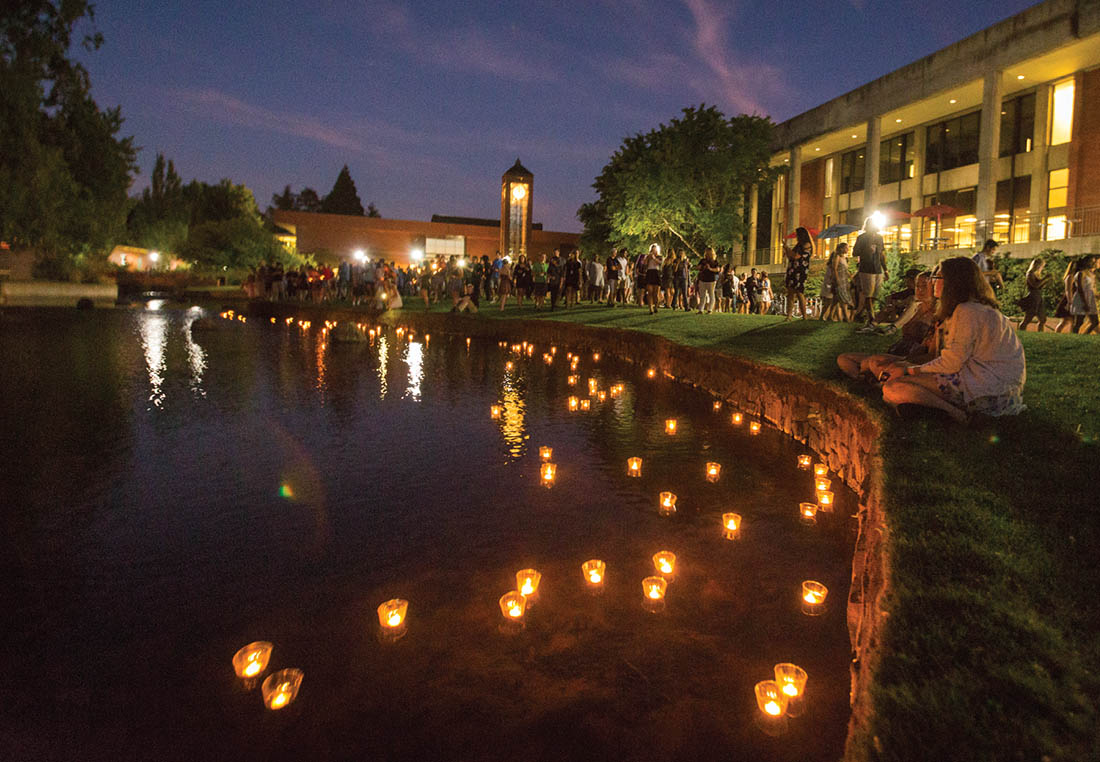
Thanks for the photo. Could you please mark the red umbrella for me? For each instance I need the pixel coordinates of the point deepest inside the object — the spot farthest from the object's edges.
(811, 231)
(939, 211)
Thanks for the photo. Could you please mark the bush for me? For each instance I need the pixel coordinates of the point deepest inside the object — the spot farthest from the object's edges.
(1014, 272)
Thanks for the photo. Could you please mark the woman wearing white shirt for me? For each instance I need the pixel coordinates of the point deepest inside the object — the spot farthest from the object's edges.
(981, 366)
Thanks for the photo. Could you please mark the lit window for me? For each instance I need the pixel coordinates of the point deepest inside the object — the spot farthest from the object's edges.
(1056, 227)
(829, 177)
(1061, 128)
(1058, 194)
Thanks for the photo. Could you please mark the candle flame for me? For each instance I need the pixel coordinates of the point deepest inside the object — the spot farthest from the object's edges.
(394, 618)
(282, 697)
(772, 708)
(812, 597)
(666, 567)
(515, 611)
(654, 592)
(790, 689)
(594, 577)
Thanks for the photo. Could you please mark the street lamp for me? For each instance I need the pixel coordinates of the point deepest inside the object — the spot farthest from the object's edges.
(360, 255)
(417, 255)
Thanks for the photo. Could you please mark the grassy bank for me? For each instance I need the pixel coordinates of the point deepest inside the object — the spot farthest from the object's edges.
(991, 648)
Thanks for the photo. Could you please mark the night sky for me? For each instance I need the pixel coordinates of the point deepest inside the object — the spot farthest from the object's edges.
(429, 102)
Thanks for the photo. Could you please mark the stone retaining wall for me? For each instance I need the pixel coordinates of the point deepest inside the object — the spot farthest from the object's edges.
(840, 428)
(44, 293)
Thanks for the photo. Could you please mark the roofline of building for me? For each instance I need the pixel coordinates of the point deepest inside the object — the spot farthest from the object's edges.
(1037, 29)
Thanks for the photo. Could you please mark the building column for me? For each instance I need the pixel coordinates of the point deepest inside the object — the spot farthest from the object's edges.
(1040, 177)
(794, 190)
(748, 256)
(989, 149)
(916, 201)
(870, 167)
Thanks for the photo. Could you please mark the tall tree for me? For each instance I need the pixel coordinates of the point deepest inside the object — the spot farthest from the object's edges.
(64, 171)
(343, 198)
(372, 210)
(287, 201)
(308, 201)
(685, 181)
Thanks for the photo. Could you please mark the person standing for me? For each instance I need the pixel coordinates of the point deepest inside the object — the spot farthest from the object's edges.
(521, 277)
(651, 264)
(1081, 296)
(538, 279)
(725, 282)
(614, 269)
(708, 276)
(871, 253)
(572, 278)
(751, 284)
(554, 274)
(984, 260)
(680, 275)
(798, 267)
(595, 280)
(766, 296)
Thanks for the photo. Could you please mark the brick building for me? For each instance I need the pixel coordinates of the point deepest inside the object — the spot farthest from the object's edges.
(403, 241)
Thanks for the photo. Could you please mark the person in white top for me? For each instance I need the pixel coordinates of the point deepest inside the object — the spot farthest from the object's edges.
(653, 262)
(980, 367)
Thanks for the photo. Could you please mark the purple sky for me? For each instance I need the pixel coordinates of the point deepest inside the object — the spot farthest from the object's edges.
(429, 102)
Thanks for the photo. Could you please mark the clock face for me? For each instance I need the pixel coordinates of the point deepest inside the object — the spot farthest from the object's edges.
(518, 192)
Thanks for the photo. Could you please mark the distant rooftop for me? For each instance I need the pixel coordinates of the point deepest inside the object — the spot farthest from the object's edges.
(474, 221)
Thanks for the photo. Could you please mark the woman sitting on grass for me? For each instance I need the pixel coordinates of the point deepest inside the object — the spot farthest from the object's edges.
(980, 368)
(917, 343)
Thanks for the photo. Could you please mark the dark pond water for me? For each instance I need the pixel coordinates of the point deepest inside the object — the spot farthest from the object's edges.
(170, 497)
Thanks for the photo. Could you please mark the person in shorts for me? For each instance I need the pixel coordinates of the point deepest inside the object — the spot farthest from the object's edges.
(870, 251)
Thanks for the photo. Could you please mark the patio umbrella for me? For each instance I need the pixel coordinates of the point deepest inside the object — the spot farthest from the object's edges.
(811, 231)
(837, 231)
(939, 211)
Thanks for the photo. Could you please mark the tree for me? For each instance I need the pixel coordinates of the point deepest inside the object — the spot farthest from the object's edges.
(343, 198)
(684, 182)
(287, 201)
(372, 210)
(159, 218)
(308, 201)
(64, 172)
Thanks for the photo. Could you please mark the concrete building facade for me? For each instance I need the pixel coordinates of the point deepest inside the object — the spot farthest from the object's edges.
(1001, 131)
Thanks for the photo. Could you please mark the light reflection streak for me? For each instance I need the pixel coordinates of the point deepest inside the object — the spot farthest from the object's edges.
(196, 358)
(513, 417)
(153, 327)
(415, 359)
(322, 345)
(383, 362)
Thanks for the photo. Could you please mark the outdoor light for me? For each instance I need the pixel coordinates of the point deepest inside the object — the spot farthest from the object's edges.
(731, 526)
(821, 484)
(791, 680)
(667, 504)
(670, 426)
(771, 699)
(494, 411)
(513, 605)
(594, 571)
(633, 466)
(713, 469)
(573, 403)
(825, 500)
(360, 255)
(545, 453)
(391, 618)
(736, 419)
(281, 688)
(820, 469)
(251, 661)
(804, 462)
(717, 405)
(518, 192)
(547, 472)
(462, 263)
(807, 513)
(154, 256)
(417, 255)
(665, 563)
(653, 593)
(813, 598)
(754, 427)
(527, 582)
(878, 219)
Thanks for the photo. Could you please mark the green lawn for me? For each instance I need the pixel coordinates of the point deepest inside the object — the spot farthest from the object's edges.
(992, 646)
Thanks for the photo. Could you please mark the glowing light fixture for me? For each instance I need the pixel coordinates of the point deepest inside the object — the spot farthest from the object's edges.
(281, 688)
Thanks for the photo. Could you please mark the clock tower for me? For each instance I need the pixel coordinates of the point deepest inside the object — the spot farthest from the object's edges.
(515, 210)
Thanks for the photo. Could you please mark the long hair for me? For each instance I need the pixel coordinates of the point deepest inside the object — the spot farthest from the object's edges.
(801, 238)
(656, 246)
(962, 282)
(1083, 263)
(1033, 266)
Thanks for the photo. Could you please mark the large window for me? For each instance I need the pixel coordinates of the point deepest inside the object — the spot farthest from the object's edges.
(896, 159)
(1012, 217)
(829, 180)
(953, 143)
(447, 246)
(852, 168)
(952, 231)
(1061, 113)
(1058, 188)
(1017, 124)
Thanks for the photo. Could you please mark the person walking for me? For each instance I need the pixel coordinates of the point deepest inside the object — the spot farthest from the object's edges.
(708, 275)
(1082, 294)
(1032, 303)
(613, 270)
(504, 284)
(767, 296)
(798, 268)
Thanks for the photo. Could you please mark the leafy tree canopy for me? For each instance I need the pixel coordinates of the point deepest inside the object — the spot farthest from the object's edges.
(64, 172)
(685, 182)
(343, 198)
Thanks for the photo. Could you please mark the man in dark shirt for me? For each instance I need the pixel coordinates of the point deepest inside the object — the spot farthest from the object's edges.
(752, 285)
(614, 268)
(553, 278)
(871, 253)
